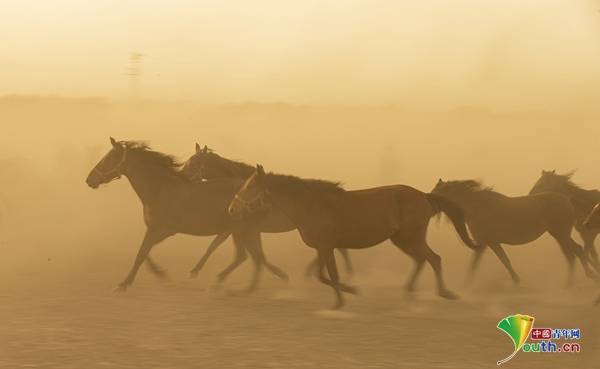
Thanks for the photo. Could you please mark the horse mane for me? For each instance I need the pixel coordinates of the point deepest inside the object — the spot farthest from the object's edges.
(469, 185)
(154, 158)
(232, 166)
(296, 184)
(566, 178)
(574, 189)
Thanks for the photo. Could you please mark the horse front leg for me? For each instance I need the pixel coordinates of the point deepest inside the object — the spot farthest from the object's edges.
(218, 241)
(327, 258)
(156, 269)
(151, 238)
(346, 255)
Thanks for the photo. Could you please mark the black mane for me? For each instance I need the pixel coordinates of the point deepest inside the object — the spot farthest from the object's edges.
(233, 167)
(154, 158)
(590, 197)
(297, 184)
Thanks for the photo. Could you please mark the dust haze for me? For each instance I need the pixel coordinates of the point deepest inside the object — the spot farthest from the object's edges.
(366, 93)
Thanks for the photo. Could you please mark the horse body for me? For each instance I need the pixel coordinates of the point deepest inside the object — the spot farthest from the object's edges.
(355, 219)
(172, 204)
(206, 166)
(583, 201)
(328, 217)
(495, 219)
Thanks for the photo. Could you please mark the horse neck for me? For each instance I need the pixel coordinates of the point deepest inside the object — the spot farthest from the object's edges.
(589, 197)
(470, 201)
(238, 170)
(146, 182)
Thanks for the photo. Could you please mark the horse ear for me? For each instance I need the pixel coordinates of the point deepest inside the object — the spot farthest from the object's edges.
(115, 143)
(440, 181)
(205, 149)
(260, 170)
(198, 149)
(553, 171)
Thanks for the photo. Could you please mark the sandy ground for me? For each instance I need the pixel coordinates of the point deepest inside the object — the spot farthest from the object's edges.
(56, 319)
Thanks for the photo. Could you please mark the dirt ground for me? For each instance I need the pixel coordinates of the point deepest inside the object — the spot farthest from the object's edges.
(58, 317)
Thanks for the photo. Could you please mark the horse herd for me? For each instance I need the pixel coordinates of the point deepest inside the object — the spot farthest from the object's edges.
(212, 195)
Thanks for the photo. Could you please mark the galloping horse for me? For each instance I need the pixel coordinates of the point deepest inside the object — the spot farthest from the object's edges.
(207, 165)
(173, 204)
(329, 217)
(495, 219)
(583, 201)
(592, 222)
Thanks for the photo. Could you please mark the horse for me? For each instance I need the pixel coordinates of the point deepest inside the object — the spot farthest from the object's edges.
(495, 219)
(206, 165)
(592, 222)
(172, 204)
(583, 200)
(329, 217)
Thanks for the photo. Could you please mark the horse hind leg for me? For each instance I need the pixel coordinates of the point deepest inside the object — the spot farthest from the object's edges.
(420, 251)
(571, 250)
(417, 257)
(475, 261)
(499, 251)
(589, 249)
(436, 263)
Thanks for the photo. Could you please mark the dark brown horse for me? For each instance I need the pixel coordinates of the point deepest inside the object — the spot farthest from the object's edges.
(592, 222)
(173, 204)
(206, 165)
(495, 219)
(328, 217)
(583, 202)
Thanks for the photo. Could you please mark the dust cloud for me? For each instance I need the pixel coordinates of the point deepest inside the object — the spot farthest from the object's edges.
(361, 92)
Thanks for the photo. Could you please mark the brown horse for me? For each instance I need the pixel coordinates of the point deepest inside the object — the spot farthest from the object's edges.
(583, 201)
(592, 222)
(328, 217)
(206, 165)
(172, 204)
(495, 219)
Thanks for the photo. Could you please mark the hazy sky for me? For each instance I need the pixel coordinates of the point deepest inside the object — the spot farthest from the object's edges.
(521, 53)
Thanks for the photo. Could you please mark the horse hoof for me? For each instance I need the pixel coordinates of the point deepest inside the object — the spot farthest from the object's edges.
(449, 295)
(162, 275)
(193, 274)
(337, 306)
(120, 288)
(352, 290)
(597, 302)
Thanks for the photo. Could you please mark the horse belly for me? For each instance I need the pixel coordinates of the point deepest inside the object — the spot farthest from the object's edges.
(510, 232)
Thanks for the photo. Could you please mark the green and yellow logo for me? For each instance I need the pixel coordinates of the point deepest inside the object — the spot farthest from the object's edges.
(517, 327)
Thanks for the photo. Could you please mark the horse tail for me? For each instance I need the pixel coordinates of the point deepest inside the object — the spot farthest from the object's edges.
(455, 214)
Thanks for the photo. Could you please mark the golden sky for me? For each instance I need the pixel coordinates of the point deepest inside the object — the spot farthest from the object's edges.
(510, 53)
